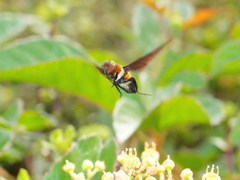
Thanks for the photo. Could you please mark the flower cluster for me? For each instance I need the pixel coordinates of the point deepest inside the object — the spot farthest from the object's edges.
(149, 168)
(87, 166)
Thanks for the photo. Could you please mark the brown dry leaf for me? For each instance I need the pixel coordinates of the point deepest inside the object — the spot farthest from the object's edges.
(200, 17)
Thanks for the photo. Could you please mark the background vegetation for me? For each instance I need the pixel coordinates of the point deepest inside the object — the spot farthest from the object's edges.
(51, 94)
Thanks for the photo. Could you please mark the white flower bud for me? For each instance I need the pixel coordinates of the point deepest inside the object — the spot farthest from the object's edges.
(107, 176)
(100, 165)
(121, 175)
(87, 164)
(68, 167)
(186, 174)
(168, 163)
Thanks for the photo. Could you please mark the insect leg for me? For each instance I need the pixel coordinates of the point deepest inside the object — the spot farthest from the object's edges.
(114, 83)
(117, 89)
(114, 80)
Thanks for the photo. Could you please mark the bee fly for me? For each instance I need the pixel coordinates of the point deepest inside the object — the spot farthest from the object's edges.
(120, 76)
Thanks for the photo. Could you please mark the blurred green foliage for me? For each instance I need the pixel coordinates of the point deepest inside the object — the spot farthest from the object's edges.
(51, 94)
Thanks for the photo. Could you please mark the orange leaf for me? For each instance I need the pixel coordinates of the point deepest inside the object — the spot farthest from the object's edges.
(152, 4)
(200, 17)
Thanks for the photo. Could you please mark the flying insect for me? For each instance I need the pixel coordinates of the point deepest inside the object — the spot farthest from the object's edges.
(119, 75)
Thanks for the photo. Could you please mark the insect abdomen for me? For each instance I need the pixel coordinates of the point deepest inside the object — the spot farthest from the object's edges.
(129, 85)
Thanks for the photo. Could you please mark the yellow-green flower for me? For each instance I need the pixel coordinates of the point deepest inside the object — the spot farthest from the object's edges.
(211, 175)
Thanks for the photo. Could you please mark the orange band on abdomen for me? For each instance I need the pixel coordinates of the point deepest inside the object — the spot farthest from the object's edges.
(127, 76)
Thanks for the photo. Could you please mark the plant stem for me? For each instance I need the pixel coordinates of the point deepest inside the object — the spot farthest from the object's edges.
(229, 151)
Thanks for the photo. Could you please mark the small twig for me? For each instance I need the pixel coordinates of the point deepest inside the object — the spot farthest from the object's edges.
(53, 27)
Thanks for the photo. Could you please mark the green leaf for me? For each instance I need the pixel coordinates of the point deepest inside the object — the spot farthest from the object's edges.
(33, 120)
(23, 175)
(109, 156)
(16, 147)
(170, 58)
(186, 109)
(187, 159)
(88, 148)
(42, 62)
(61, 140)
(235, 32)
(190, 78)
(4, 124)
(70, 133)
(103, 131)
(192, 62)
(12, 24)
(5, 137)
(226, 59)
(235, 134)
(56, 172)
(12, 113)
(146, 27)
(214, 108)
(204, 153)
(34, 51)
(128, 115)
(180, 110)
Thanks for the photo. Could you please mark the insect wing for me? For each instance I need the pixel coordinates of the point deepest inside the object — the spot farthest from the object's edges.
(143, 61)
